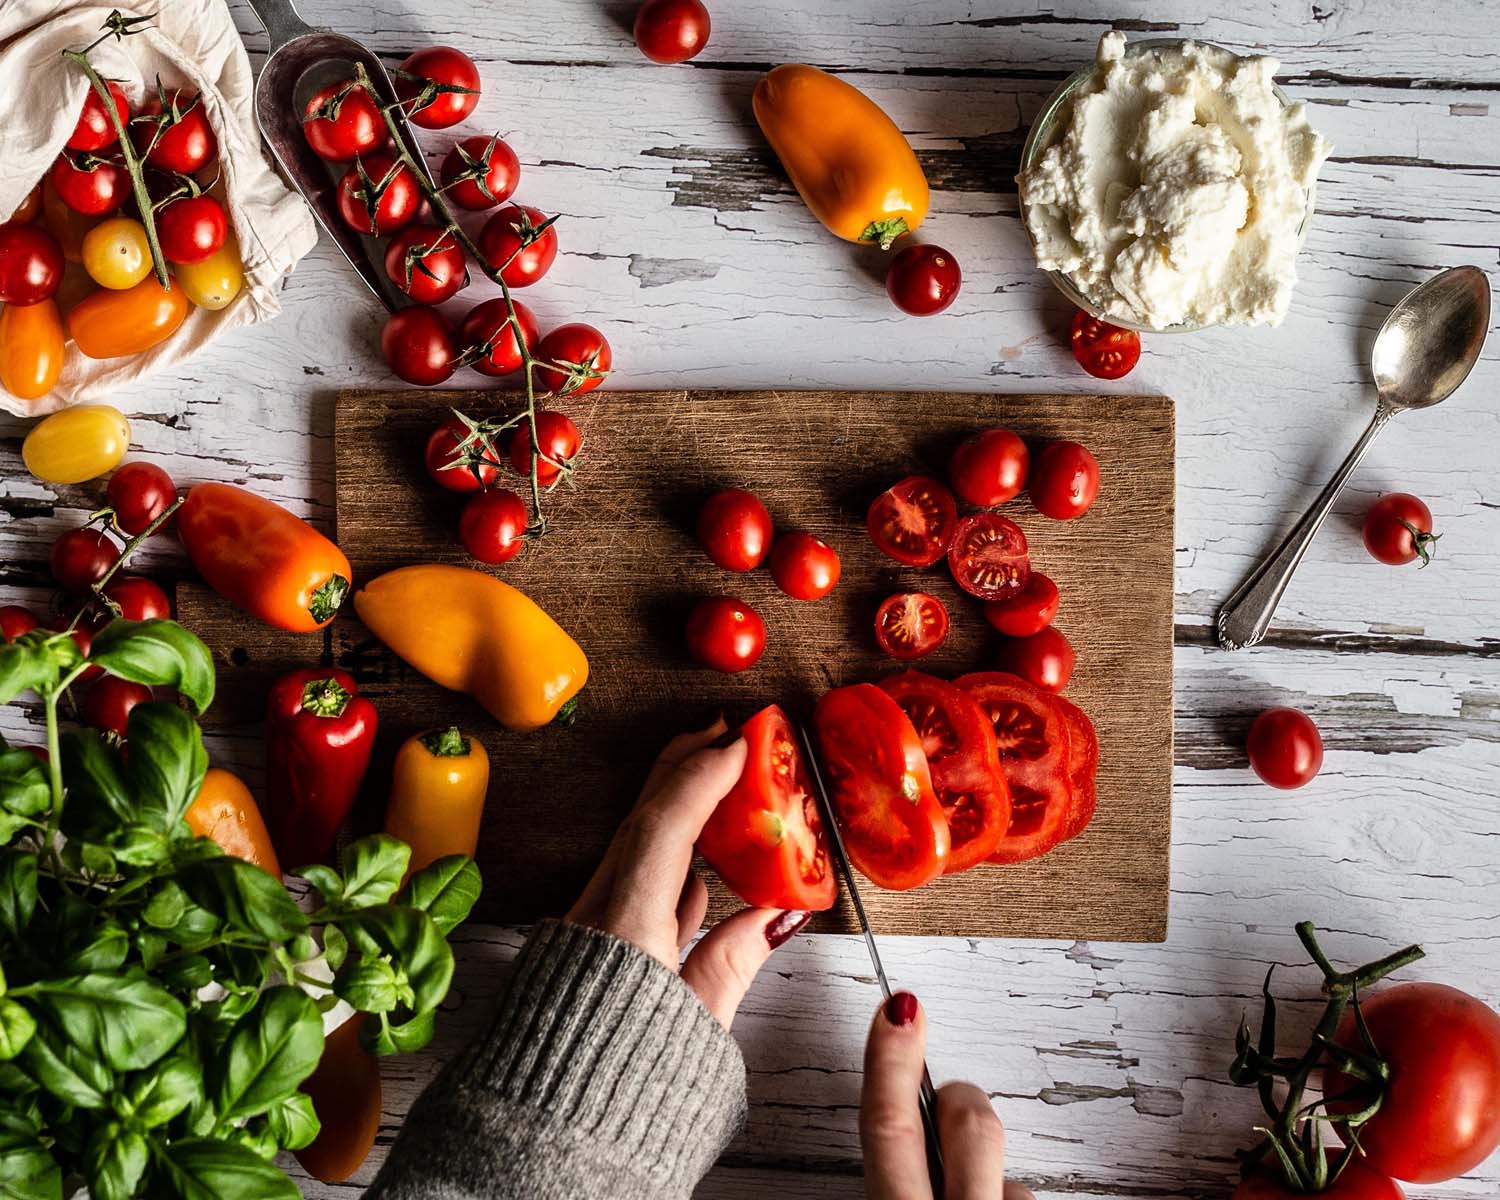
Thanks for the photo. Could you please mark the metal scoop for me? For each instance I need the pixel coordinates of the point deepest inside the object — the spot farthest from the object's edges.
(303, 59)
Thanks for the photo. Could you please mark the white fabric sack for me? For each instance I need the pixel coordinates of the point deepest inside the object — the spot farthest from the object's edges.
(189, 43)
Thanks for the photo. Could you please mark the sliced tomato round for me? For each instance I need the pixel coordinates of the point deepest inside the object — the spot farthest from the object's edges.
(964, 760)
(766, 839)
(1083, 767)
(989, 557)
(913, 521)
(910, 624)
(1032, 737)
(893, 826)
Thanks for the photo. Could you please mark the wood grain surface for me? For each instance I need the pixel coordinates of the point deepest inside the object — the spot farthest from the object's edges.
(620, 569)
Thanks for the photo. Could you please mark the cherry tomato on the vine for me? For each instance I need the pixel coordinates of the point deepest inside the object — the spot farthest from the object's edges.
(734, 529)
(912, 521)
(519, 243)
(493, 525)
(116, 253)
(80, 557)
(457, 470)
(804, 567)
(489, 331)
(1064, 480)
(1045, 658)
(107, 705)
(175, 135)
(923, 280)
(95, 130)
(726, 634)
(1285, 747)
(419, 345)
(378, 195)
(1103, 350)
(1026, 612)
(16, 620)
(1398, 529)
(342, 121)
(911, 624)
(989, 468)
(672, 31)
(559, 439)
(139, 598)
(1359, 1181)
(139, 492)
(581, 359)
(481, 172)
(426, 263)
(191, 228)
(31, 264)
(438, 87)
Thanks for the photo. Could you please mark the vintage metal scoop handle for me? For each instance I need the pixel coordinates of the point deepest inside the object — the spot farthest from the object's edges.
(1247, 614)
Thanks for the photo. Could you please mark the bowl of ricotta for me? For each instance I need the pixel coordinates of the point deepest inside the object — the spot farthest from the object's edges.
(1169, 186)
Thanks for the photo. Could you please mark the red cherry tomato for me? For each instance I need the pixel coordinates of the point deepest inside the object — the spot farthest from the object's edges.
(419, 345)
(426, 263)
(989, 557)
(463, 471)
(672, 31)
(734, 529)
(913, 521)
(1103, 350)
(922, 280)
(191, 229)
(16, 620)
(342, 121)
(1358, 1181)
(481, 172)
(175, 136)
(989, 468)
(1026, 612)
(488, 330)
(139, 492)
(559, 439)
(80, 557)
(804, 567)
(378, 195)
(94, 190)
(95, 130)
(581, 356)
(911, 624)
(437, 87)
(107, 705)
(493, 525)
(139, 599)
(31, 264)
(1398, 528)
(1064, 481)
(27, 210)
(726, 634)
(1045, 659)
(519, 243)
(83, 637)
(1285, 747)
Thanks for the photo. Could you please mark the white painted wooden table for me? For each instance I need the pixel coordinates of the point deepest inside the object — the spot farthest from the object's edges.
(683, 242)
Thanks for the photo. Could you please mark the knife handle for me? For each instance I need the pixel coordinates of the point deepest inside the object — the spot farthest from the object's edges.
(927, 1103)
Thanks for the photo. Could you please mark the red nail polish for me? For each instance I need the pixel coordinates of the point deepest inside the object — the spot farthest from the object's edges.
(785, 926)
(901, 1009)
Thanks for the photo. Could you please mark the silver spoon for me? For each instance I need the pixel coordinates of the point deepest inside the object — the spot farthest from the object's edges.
(1426, 348)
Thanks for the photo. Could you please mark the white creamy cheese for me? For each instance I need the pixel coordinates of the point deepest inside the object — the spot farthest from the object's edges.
(1178, 187)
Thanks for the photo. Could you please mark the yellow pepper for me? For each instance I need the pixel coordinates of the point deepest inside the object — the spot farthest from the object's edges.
(472, 633)
(848, 160)
(437, 795)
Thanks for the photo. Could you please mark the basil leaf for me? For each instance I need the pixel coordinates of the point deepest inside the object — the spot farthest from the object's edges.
(159, 1093)
(256, 1137)
(140, 846)
(326, 880)
(445, 890)
(124, 1020)
(335, 947)
(102, 948)
(35, 661)
(405, 1038)
(271, 1049)
(99, 798)
(114, 1161)
(373, 869)
(17, 892)
(27, 1169)
(25, 791)
(158, 653)
(293, 1121)
(167, 762)
(16, 1028)
(62, 1069)
(209, 1169)
(244, 897)
(370, 985)
(412, 940)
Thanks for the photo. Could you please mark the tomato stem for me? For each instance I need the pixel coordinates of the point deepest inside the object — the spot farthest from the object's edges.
(125, 552)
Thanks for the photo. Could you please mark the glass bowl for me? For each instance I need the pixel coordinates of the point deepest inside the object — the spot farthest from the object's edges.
(1049, 125)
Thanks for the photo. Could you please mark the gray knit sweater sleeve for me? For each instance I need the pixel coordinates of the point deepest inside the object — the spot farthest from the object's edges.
(602, 1078)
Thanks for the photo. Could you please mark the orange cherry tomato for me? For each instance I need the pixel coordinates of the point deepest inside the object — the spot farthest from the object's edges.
(345, 1091)
(225, 812)
(31, 349)
(67, 225)
(108, 324)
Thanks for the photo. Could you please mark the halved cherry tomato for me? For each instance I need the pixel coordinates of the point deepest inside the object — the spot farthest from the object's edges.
(1083, 766)
(95, 130)
(726, 634)
(1033, 742)
(1025, 612)
(342, 121)
(1103, 350)
(345, 1092)
(95, 189)
(31, 264)
(488, 331)
(989, 557)
(32, 348)
(174, 133)
(1045, 658)
(559, 439)
(520, 243)
(989, 468)
(215, 281)
(467, 470)
(426, 263)
(116, 253)
(880, 788)
(964, 759)
(911, 624)
(480, 173)
(766, 839)
(225, 812)
(1064, 481)
(437, 86)
(804, 567)
(734, 529)
(110, 324)
(913, 521)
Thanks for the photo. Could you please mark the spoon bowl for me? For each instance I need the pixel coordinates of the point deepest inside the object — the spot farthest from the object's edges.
(1431, 340)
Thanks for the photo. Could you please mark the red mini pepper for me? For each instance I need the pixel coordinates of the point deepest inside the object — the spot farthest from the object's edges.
(319, 733)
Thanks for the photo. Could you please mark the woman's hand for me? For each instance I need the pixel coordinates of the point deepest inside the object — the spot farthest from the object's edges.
(890, 1123)
(647, 893)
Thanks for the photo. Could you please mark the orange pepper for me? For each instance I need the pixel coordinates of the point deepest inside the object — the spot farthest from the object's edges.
(345, 1092)
(31, 349)
(849, 162)
(109, 324)
(225, 811)
(437, 795)
(263, 559)
(472, 633)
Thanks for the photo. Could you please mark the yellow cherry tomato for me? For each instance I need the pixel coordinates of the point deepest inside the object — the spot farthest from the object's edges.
(116, 253)
(108, 324)
(31, 349)
(67, 225)
(77, 444)
(215, 281)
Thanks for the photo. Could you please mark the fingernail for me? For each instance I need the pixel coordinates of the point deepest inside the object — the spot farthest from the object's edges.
(785, 926)
(901, 1009)
(725, 740)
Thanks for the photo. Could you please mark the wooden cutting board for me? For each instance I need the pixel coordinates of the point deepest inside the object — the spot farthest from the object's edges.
(620, 570)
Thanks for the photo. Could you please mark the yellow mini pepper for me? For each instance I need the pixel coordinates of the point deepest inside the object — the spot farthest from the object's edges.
(848, 160)
(472, 633)
(437, 795)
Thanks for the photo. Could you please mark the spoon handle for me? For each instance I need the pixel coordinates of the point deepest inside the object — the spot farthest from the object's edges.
(1246, 615)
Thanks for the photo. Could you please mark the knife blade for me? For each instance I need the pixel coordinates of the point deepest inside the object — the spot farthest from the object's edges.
(926, 1094)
